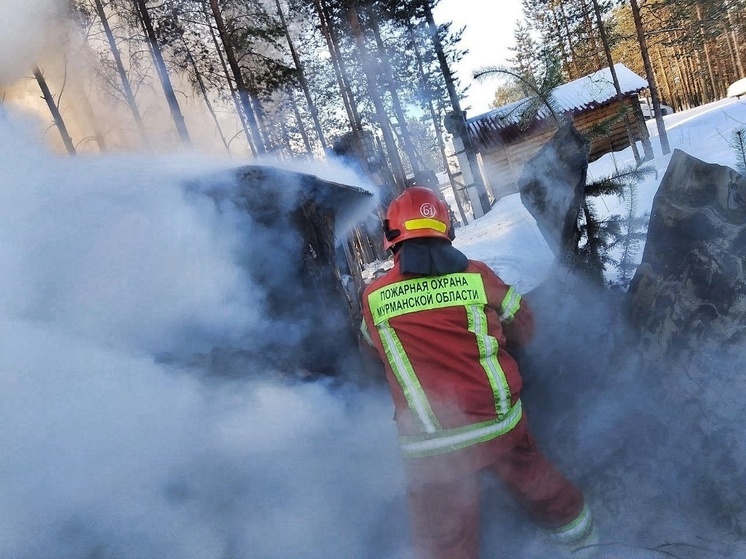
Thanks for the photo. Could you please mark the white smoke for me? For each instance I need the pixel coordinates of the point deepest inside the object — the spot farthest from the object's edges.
(106, 453)
(29, 26)
(654, 442)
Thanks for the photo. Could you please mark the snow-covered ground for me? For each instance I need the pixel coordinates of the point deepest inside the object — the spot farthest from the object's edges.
(108, 453)
(507, 237)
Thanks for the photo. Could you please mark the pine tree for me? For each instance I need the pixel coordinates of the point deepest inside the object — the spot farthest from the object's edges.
(526, 59)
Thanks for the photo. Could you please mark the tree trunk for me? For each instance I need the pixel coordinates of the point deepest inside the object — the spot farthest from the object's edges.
(342, 80)
(456, 105)
(231, 88)
(619, 95)
(567, 63)
(381, 116)
(662, 135)
(54, 109)
(302, 80)
(85, 104)
(160, 65)
(737, 42)
(129, 95)
(562, 22)
(414, 160)
(203, 91)
(438, 131)
(699, 74)
(732, 49)
(243, 92)
(708, 58)
(687, 75)
(258, 112)
(591, 34)
(299, 120)
(664, 73)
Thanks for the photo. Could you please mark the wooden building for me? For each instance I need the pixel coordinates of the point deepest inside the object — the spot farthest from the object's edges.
(505, 141)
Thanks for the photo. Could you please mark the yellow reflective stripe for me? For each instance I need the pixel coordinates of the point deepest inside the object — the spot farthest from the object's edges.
(410, 384)
(366, 334)
(421, 294)
(488, 351)
(510, 305)
(576, 529)
(425, 223)
(455, 439)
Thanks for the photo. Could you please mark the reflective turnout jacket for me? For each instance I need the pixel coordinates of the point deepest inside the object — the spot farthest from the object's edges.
(443, 340)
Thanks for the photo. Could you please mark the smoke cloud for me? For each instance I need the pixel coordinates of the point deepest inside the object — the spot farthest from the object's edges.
(28, 28)
(107, 263)
(655, 442)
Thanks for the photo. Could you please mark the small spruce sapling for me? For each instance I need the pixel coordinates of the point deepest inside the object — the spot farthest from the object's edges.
(618, 231)
(738, 145)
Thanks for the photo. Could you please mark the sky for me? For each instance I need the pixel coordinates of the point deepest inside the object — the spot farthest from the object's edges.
(488, 36)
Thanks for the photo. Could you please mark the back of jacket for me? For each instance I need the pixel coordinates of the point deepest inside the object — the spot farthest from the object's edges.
(443, 340)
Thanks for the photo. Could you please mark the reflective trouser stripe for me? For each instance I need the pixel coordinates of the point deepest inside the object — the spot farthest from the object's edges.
(488, 351)
(410, 384)
(576, 529)
(510, 305)
(454, 439)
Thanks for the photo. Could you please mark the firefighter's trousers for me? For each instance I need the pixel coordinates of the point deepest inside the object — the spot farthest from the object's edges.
(445, 516)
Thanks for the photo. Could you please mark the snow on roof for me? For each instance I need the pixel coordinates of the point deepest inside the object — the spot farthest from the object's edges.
(737, 89)
(581, 94)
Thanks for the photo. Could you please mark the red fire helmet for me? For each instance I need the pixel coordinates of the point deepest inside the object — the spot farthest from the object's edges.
(415, 213)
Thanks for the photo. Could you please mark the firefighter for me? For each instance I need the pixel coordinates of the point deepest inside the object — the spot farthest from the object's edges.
(441, 323)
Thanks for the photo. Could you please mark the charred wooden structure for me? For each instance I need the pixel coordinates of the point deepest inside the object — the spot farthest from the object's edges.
(552, 188)
(309, 317)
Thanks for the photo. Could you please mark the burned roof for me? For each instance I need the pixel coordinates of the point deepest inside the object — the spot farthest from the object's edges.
(266, 191)
(577, 96)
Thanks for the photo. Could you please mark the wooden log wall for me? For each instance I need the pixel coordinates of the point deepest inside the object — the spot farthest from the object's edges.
(504, 164)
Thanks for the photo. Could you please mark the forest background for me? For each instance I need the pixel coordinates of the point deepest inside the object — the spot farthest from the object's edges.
(298, 78)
